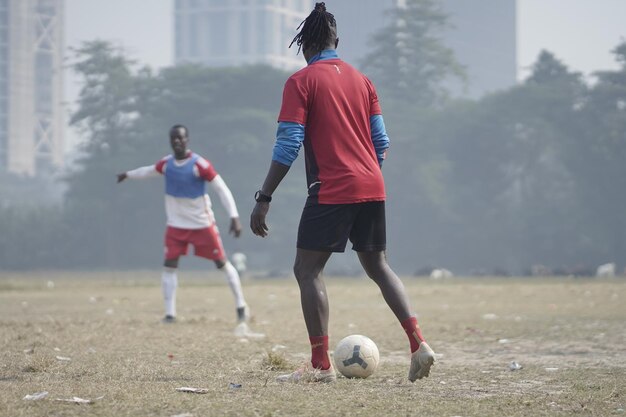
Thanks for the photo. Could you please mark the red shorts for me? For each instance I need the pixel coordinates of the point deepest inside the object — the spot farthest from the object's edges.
(207, 243)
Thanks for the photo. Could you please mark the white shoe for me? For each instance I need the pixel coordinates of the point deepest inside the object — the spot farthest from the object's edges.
(421, 361)
(243, 330)
(309, 374)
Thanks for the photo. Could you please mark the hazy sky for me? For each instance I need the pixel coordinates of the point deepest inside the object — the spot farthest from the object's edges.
(580, 32)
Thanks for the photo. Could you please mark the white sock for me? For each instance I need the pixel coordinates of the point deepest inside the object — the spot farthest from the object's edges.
(169, 282)
(235, 284)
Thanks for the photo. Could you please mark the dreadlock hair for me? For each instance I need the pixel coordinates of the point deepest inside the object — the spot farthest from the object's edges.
(316, 30)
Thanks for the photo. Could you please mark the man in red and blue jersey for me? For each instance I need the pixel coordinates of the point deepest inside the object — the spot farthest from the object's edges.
(332, 109)
(190, 219)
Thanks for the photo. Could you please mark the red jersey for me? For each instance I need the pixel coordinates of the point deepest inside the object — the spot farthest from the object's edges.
(334, 102)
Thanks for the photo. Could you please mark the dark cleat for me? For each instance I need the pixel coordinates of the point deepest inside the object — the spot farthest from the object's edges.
(168, 319)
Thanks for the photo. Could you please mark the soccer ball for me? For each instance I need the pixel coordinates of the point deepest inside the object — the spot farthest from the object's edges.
(356, 356)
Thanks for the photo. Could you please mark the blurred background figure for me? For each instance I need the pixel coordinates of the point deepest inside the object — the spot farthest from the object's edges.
(239, 262)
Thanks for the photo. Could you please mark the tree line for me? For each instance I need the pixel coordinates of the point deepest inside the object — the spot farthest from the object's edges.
(532, 175)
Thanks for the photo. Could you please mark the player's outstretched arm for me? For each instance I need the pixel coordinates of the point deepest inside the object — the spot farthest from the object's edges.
(148, 171)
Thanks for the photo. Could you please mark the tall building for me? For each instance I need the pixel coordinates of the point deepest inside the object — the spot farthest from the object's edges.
(31, 81)
(482, 34)
(224, 33)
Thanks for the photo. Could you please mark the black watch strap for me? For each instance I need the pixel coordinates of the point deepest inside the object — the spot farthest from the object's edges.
(262, 198)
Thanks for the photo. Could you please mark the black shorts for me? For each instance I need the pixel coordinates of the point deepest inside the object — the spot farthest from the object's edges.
(327, 227)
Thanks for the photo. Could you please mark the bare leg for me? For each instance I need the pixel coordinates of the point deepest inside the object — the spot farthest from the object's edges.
(376, 267)
(307, 268)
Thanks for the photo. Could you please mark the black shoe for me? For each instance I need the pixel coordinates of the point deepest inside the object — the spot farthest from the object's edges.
(243, 314)
(168, 319)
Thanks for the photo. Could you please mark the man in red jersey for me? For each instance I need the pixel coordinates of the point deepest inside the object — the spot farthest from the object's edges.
(333, 110)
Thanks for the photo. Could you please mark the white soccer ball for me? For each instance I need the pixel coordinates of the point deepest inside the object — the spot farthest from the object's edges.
(356, 356)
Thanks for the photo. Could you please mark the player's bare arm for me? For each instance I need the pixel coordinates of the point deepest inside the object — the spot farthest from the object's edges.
(257, 219)
(273, 178)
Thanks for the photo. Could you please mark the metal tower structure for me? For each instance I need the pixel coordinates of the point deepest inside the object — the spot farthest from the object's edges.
(31, 82)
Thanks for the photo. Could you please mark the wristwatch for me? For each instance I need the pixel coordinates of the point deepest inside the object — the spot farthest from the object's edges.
(262, 198)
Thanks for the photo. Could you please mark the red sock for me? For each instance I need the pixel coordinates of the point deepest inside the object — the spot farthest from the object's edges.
(319, 352)
(413, 332)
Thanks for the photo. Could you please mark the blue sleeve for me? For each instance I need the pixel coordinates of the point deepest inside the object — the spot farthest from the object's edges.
(289, 137)
(379, 136)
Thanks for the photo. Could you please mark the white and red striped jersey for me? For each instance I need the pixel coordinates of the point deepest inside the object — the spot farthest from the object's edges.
(187, 205)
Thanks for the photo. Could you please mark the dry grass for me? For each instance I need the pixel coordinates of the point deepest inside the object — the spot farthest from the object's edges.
(108, 325)
(276, 362)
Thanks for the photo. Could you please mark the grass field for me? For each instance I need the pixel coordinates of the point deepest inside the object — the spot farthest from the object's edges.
(569, 336)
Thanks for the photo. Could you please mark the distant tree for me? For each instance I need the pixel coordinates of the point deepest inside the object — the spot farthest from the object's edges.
(408, 60)
(125, 113)
(599, 161)
(106, 102)
(44, 189)
(488, 183)
(533, 174)
(32, 237)
(548, 69)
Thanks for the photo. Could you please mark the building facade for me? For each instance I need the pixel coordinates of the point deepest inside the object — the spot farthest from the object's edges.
(482, 34)
(225, 33)
(31, 82)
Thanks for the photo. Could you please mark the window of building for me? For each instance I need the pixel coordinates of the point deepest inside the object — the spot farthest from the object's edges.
(179, 37)
(244, 32)
(217, 25)
(261, 32)
(193, 36)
